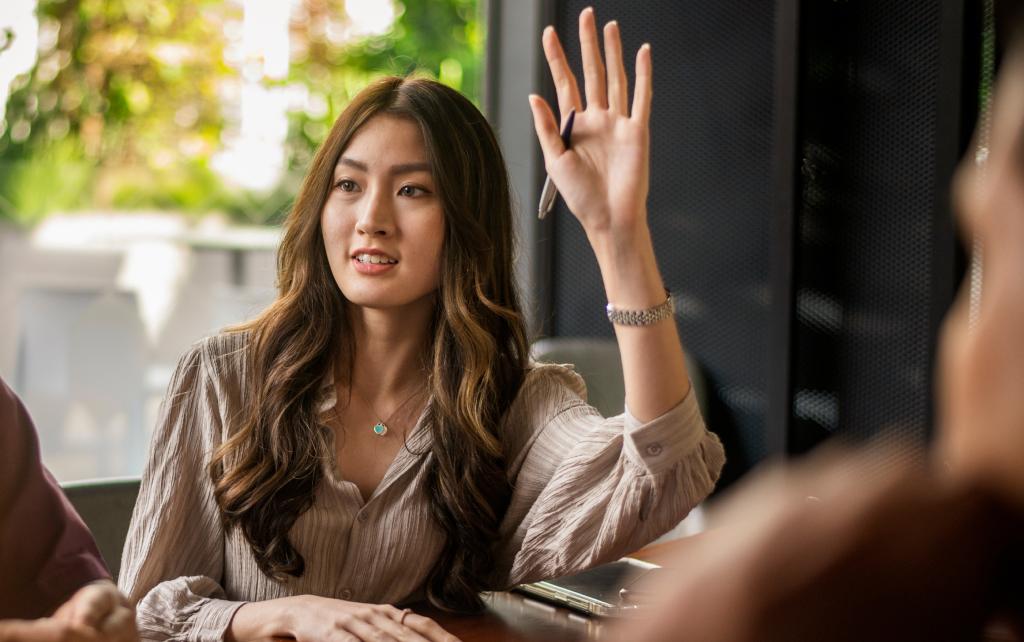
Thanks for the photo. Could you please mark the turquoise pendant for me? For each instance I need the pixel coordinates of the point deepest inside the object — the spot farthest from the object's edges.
(380, 429)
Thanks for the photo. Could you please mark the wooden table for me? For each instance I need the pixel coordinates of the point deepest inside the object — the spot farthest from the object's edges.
(513, 617)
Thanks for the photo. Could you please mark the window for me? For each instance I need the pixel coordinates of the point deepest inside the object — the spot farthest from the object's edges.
(148, 151)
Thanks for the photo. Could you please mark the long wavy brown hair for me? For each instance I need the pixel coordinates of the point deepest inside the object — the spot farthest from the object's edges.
(267, 471)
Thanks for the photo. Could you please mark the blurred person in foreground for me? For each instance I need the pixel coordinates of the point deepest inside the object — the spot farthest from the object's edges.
(859, 548)
(54, 584)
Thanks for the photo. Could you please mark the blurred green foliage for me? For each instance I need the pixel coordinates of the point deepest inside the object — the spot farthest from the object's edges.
(124, 108)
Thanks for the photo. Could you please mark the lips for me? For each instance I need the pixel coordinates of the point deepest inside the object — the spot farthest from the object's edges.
(372, 261)
(374, 258)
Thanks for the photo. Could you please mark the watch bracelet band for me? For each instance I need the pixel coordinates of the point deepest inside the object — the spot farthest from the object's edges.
(648, 316)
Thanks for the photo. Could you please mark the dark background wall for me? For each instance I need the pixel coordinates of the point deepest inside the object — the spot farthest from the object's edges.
(800, 157)
(710, 199)
(879, 103)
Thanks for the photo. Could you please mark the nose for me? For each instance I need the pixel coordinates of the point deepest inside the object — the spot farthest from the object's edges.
(375, 216)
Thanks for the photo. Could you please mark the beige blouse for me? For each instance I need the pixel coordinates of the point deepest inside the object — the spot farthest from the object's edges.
(586, 490)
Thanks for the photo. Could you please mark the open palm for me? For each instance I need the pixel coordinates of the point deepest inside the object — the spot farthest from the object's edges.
(603, 176)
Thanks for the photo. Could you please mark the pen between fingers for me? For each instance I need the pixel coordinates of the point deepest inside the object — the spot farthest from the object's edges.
(550, 191)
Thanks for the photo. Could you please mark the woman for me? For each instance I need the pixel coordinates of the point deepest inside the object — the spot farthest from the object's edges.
(378, 434)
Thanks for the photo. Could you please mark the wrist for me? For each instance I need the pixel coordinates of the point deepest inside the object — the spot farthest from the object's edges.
(615, 242)
(264, 620)
(287, 616)
(628, 268)
(642, 317)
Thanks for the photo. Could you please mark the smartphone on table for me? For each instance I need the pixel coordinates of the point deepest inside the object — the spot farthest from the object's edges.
(616, 589)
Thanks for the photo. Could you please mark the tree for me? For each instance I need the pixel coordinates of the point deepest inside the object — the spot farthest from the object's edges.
(124, 108)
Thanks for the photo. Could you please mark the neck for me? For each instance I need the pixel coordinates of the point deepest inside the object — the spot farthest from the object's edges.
(389, 345)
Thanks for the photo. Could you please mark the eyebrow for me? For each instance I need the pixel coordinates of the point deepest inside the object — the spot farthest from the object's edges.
(402, 168)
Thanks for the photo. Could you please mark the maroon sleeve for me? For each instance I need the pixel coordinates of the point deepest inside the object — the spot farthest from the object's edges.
(46, 551)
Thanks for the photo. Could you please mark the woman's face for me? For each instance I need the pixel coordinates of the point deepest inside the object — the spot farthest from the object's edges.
(383, 223)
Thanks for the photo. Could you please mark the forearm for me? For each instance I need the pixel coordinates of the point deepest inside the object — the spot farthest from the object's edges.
(42, 630)
(653, 366)
(11, 630)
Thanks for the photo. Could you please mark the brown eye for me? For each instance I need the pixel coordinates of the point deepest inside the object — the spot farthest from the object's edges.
(411, 190)
(346, 185)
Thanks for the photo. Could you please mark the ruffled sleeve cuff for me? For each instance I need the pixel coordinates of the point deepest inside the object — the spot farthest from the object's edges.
(179, 609)
(663, 442)
(212, 624)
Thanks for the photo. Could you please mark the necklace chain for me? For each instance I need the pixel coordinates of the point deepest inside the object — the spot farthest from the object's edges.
(380, 427)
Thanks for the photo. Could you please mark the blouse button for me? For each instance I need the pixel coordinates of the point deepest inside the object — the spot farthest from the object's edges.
(362, 517)
(654, 449)
(346, 594)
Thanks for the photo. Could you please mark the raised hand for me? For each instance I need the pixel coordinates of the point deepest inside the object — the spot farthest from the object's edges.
(603, 176)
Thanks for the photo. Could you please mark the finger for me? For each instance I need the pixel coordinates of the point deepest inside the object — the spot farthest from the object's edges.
(428, 628)
(395, 627)
(642, 90)
(64, 611)
(566, 89)
(120, 624)
(617, 86)
(78, 633)
(593, 67)
(371, 630)
(547, 130)
(92, 604)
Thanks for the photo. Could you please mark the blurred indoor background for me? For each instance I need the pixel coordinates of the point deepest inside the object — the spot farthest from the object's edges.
(800, 162)
(148, 152)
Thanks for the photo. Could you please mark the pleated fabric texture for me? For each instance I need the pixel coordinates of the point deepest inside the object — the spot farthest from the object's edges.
(586, 489)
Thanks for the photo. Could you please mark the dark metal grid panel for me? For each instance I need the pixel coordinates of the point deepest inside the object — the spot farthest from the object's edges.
(867, 226)
(710, 196)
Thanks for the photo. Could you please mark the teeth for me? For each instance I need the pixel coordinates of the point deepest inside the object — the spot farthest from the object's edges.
(374, 258)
